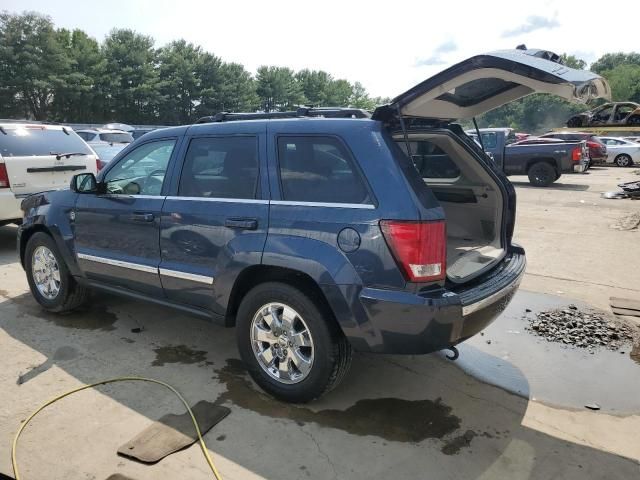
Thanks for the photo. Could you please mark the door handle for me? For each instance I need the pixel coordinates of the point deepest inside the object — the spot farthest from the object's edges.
(142, 217)
(241, 223)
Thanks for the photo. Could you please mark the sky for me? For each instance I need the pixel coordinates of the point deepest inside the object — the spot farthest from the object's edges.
(388, 46)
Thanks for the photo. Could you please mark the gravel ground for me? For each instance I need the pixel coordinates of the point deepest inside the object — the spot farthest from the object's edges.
(584, 329)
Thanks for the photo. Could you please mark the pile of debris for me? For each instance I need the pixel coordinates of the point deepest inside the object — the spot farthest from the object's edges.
(582, 329)
(629, 190)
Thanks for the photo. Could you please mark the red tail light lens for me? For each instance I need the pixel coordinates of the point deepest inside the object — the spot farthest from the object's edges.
(4, 176)
(98, 164)
(419, 247)
(576, 154)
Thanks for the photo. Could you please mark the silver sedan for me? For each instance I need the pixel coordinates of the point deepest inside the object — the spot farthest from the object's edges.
(623, 153)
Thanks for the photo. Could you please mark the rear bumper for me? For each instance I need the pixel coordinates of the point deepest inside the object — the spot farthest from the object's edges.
(9, 206)
(408, 323)
(580, 168)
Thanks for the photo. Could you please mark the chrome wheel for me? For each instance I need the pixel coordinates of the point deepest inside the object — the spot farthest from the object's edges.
(282, 343)
(46, 273)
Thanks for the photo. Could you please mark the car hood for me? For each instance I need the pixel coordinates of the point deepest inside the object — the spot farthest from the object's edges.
(487, 81)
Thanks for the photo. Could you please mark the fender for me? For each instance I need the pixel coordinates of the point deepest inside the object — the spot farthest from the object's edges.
(56, 222)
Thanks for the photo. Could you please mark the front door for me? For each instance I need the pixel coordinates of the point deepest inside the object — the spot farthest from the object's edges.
(215, 223)
(117, 232)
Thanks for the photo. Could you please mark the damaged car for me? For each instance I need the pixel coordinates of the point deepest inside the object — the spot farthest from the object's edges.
(609, 114)
(312, 232)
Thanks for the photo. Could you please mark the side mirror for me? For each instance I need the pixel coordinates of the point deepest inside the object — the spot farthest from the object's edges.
(84, 183)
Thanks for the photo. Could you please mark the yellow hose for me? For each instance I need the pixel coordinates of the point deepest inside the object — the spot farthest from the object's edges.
(203, 447)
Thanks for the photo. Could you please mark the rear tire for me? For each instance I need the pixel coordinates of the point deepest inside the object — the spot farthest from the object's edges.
(574, 122)
(50, 281)
(271, 354)
(542, 174)
(623, 160)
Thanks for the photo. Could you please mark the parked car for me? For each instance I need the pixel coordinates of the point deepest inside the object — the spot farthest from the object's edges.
(138, 132)
(623, 153)
(597, 149)
(609, 114)
(106, 151)
(543, 160)
(313, 236)
(103, 135)
(35, 158)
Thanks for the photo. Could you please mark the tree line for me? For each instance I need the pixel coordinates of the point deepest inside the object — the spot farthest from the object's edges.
(54, 74)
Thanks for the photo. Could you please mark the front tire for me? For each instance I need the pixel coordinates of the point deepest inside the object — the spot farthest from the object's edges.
(289, 343)
(623, 160)
(542, 174)
(50, 281)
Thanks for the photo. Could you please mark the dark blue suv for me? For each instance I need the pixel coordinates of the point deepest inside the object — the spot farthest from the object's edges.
(313, 235)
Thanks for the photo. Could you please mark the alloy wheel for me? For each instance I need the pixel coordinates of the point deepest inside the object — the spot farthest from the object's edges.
(46, 272)
(282, 343)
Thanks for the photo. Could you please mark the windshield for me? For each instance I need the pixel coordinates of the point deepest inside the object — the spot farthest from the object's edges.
(118, 137)
(39, 141)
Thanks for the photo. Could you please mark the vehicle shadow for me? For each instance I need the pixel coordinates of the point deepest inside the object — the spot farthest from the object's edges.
(8, 244)
(553, 186)
(392, 417)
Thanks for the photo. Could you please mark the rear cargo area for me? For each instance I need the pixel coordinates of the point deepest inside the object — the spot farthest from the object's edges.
(470, 198)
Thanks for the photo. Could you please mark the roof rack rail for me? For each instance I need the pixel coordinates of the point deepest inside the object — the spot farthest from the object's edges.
(326, 112)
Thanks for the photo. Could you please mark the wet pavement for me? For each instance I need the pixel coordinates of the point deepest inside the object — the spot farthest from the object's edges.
(559, 375)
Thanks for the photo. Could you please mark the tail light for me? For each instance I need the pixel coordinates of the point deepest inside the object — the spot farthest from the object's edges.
(576, 154)
(418, 247)
(4, 176)
(98, 164)
(596, 145)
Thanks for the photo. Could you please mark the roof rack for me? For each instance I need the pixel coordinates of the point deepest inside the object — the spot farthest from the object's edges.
(326, 112)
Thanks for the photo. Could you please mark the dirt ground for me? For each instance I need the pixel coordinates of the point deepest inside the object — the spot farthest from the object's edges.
(512, 407)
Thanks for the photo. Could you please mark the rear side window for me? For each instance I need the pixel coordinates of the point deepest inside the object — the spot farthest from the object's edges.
(489, 140)
(220, 167)
(319, 169)
(36, 141)
(431, 161)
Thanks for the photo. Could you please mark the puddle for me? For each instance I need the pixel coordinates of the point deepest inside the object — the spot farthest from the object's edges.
(393, 419)
(178, 354)
(62, 354)
(553, 373)
(94, 317)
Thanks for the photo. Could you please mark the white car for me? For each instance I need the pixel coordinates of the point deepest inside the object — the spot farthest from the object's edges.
(104, 135)
(632, 139)
(35, 158)
(623, 153)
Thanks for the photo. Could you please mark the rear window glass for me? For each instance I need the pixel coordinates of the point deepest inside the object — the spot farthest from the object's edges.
(116, 137)
(319, 169)
(25, 142)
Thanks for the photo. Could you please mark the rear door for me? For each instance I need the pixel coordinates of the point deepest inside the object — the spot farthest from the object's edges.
(485, 82)
(214, 224)
(37, 157)
(117, 233)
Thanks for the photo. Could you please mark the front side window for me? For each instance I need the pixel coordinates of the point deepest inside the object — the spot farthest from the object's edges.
(220, 167)
(319, 169)
(141, 171)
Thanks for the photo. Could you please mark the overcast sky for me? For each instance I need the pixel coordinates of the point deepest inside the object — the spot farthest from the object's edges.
(389, 45)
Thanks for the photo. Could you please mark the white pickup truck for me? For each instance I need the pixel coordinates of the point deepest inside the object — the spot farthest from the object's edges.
(35, 158)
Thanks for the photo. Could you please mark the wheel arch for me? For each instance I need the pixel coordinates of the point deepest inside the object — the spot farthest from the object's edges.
(255, 275)
(548, 160)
